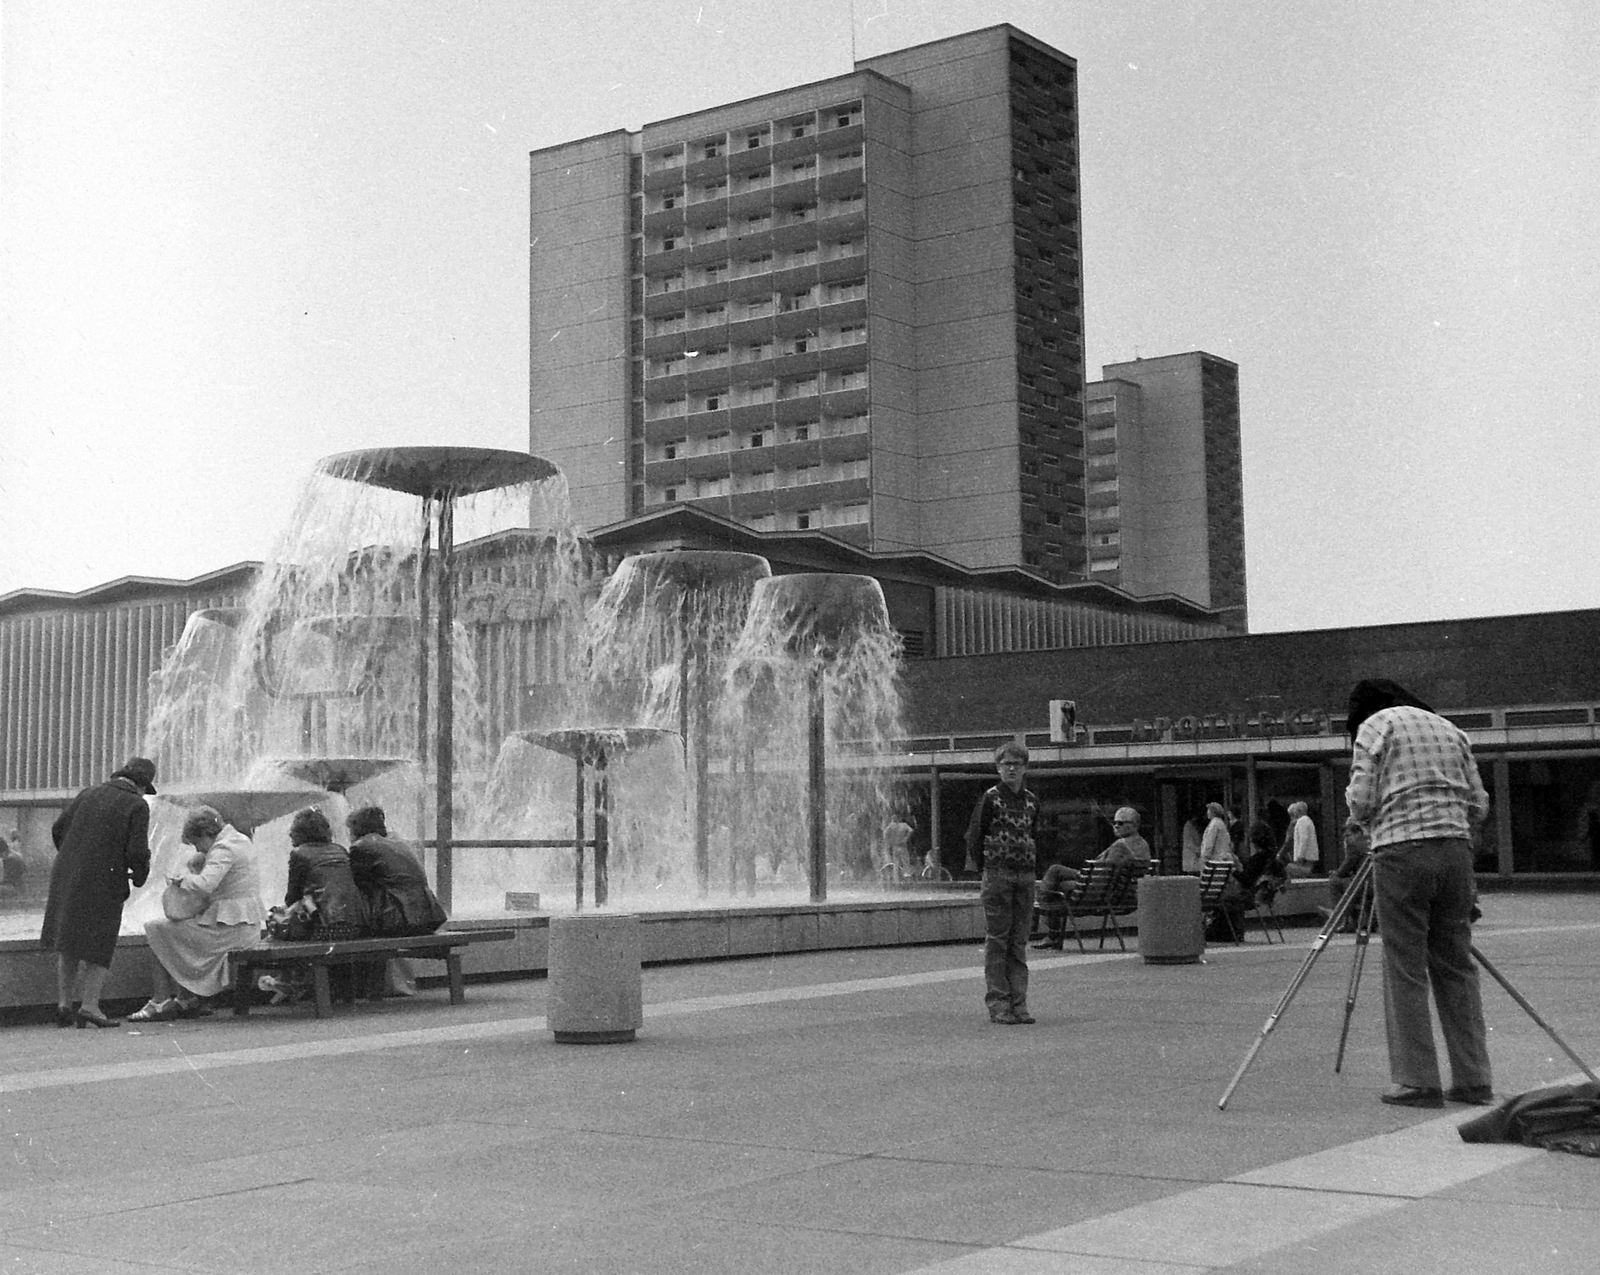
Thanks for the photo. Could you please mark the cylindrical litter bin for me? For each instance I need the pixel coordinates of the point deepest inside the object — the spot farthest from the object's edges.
(1170, 929)
(593, 966)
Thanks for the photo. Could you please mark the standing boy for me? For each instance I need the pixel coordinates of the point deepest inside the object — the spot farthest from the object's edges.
(1001, 837)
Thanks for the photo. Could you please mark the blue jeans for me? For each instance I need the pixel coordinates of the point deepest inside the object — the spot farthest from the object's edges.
(1425, 895)
(1007, 896)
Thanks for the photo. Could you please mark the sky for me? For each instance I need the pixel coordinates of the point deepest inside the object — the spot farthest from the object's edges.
(236, 238)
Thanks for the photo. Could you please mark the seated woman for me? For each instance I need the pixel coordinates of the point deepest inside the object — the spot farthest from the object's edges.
(192, 955)
(320, 870)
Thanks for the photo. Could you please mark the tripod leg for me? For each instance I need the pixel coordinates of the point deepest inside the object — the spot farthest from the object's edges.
(1357, 890)
(1363, 937)
(1532, 1013)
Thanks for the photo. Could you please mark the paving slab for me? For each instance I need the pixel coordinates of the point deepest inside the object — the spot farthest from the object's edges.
(820, 1112)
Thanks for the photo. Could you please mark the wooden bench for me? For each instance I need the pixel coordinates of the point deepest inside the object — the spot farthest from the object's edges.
(442, 945)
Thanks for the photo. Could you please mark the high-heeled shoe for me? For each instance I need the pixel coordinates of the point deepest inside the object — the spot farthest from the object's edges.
(66, 1017)
(86, 1019)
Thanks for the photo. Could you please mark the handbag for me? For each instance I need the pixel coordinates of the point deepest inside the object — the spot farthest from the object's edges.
(291, 924)
(180, 904)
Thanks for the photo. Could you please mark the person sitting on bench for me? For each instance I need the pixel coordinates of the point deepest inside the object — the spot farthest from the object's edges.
(391, 878)
(1129, 847)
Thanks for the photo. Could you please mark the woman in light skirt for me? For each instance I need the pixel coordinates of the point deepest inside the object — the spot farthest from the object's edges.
(192, 955)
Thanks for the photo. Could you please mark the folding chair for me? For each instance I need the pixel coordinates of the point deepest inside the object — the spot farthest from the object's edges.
(1215, 875)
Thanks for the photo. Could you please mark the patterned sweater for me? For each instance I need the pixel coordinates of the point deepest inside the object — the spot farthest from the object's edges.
(1412, 777)
(1004, 830)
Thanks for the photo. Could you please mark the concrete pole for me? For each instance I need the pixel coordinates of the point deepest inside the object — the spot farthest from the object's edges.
(577, 832)
(817, 787)
(444, 706)
(424, 639)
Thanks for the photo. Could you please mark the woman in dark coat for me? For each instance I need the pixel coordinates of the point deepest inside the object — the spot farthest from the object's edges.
(321, 869)
(102, 846)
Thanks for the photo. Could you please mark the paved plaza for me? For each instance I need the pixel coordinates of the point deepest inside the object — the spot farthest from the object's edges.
(829, 1112)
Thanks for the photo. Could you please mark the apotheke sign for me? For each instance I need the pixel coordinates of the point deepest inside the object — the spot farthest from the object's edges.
(1306, 721)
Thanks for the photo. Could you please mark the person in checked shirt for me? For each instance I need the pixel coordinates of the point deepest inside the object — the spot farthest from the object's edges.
(1415, 790)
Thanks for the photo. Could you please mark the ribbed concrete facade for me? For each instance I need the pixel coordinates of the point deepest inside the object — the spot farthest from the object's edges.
(75, 676)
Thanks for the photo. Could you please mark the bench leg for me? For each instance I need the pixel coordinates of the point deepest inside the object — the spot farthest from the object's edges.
(458, 988)
(319, 981)
(241, 988)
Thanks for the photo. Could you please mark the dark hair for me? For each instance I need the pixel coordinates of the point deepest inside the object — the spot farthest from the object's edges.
(1373, 695)
(366, 819)
(309, 826)
(1011, 748)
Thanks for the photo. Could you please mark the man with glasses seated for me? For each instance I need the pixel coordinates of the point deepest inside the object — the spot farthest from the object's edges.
(1129, 847)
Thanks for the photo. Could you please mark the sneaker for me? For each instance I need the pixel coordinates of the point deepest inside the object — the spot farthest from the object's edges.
(1022, 1016)
(1412, 1096)
(1471, 1095)
(1005, 1018)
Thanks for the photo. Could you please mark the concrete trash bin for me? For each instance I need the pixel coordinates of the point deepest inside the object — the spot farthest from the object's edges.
(595, 996)
(1170, 929)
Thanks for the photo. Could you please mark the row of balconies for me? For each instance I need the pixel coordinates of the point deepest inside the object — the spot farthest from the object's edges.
(736, 395)
(830, 281)
(661, 206)
(838, 222)
(677, 377)
(755, 211)
(755, 144)
(756, 330)
(737, 260)
(756, 418)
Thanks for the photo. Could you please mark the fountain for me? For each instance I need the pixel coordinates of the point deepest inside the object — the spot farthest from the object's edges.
(664, 623)
(438, 476)
(823, 642)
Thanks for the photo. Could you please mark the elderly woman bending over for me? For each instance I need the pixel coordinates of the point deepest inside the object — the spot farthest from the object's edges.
(224, 891)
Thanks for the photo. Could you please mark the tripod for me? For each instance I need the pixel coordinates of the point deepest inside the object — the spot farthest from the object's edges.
(1362, 894)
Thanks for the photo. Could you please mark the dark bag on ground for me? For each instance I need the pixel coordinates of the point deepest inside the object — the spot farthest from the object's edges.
(1561, 1118)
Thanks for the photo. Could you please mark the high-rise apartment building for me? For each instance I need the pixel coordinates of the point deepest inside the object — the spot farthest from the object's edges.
(1165, 489)
(854, 305)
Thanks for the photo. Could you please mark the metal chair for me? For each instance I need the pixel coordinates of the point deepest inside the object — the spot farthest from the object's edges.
(1215, 875)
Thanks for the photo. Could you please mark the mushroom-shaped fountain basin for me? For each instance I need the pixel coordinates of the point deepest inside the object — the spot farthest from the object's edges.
(645, 578)
(335, 774)
(815, 614)
(245, 808)
(437, 471)
(586, 743)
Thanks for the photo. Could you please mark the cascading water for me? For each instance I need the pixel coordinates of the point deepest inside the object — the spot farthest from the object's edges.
(322, 660)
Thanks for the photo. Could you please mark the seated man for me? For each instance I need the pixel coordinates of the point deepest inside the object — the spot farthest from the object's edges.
(391, 878)
(1129, 847)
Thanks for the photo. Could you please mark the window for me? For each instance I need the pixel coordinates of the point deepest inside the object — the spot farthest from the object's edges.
(713, 486)
(674, 449)
(1051, 460)
(1052, 401)
(670, 495)
(1104, 484)
(844, 515)
(1106, 538)
(757, 438)
(799, 387)
(791, 301)
(669, 242)
(806, 475)
(712, 147)
(755, 139)
(806, 519)
(669, 199)
(838, 293)
(1105, 564)
(845, 334)
(800, 433)
(835, 381)
(719, 443)
(763, 522)
(761, 480)
(848, 471)
(711, 403)
(1030, 468)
